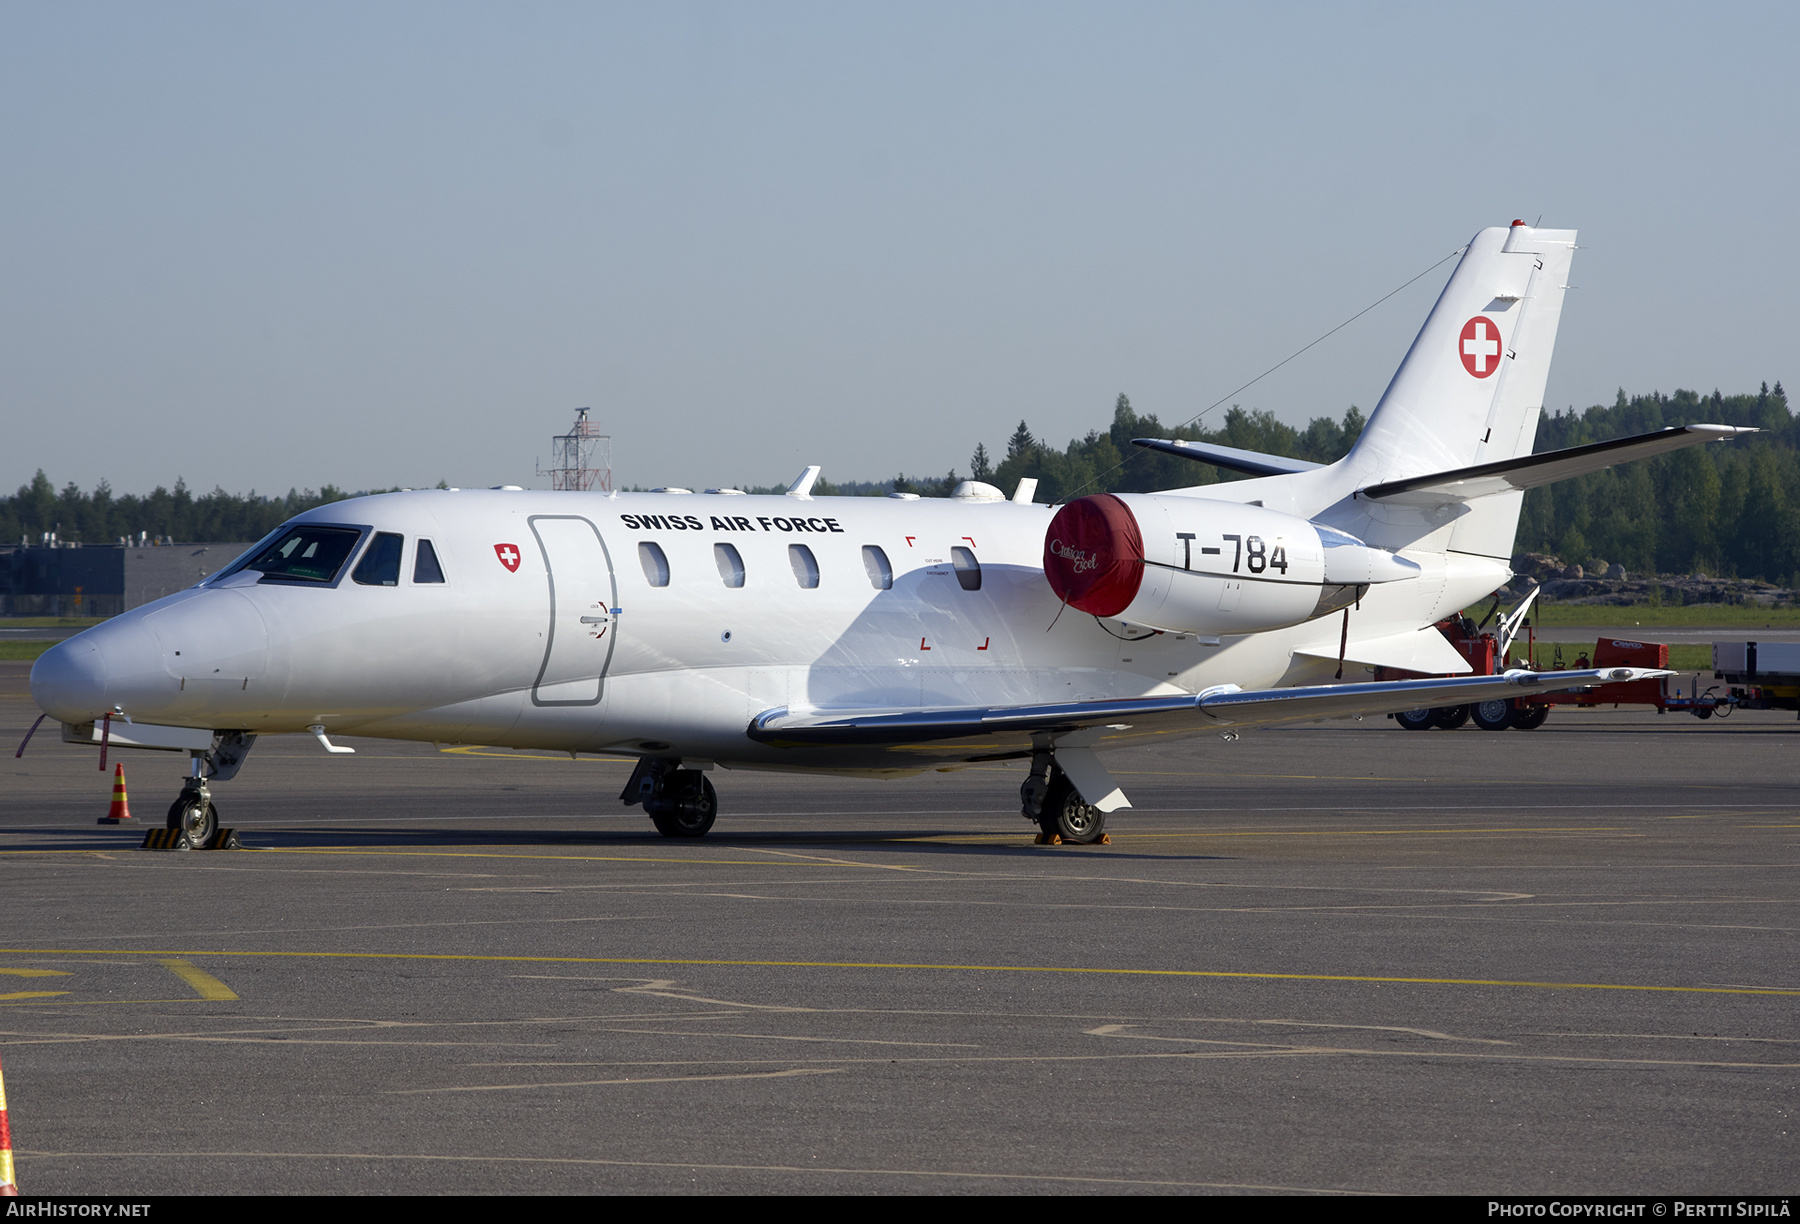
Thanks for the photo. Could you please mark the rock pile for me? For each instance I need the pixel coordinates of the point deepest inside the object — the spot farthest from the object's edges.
(1583, 584)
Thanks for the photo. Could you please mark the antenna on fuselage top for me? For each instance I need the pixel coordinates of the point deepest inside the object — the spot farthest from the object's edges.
(803, 483)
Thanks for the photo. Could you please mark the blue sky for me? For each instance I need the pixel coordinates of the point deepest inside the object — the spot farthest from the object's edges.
(379, 244)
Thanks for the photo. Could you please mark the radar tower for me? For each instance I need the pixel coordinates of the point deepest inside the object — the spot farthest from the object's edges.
(580, 459)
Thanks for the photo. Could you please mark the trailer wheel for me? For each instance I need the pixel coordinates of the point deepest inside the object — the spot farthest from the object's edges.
(1416, 720)
(1495, 715)
(1531, 717)
(1451, 717)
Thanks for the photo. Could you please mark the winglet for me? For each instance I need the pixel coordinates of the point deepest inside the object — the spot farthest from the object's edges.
(1026, 491)
(803, 483)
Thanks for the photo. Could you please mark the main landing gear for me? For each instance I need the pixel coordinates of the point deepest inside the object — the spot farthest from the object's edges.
(193, 814)
(680, 802)
(1495, 715)
(1051, 802)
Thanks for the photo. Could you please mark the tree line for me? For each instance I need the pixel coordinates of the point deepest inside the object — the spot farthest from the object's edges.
(1727, 510)
(102, 517)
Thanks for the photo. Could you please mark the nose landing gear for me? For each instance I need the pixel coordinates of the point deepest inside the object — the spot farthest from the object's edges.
(193, 814)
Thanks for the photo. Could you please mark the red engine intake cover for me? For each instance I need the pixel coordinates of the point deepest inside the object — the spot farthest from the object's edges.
(1094, 555)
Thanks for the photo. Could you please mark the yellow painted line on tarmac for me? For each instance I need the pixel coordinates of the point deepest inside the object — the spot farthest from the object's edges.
(387, 853)
(488, 854)
(34, 994)
(897, 965)
(112, 1002)
(648, 1079)
(1186, 773)
(1117, 837)
(205, 984)
(1020, 839)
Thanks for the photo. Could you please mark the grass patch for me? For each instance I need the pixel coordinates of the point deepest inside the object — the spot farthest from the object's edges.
(51, 622)
(1734, 616)
(14, 652)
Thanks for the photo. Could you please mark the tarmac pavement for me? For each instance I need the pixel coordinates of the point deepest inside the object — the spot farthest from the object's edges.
(1334, 959)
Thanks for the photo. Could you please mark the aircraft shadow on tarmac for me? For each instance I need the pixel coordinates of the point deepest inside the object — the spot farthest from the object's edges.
(909, 841)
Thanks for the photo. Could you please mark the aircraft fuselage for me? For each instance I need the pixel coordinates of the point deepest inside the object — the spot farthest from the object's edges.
(661, 624)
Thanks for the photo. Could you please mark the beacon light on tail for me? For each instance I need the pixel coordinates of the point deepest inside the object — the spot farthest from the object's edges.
(1193, 565)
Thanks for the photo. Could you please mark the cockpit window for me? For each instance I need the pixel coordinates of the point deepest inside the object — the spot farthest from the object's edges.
(425, 564)
(302, 553)
(380, 564)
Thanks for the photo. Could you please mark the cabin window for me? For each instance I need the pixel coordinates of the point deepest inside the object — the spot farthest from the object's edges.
(730, 563)
(881, 574)
(655, 563)
(968, 569)
(425, 564)
(806, 566)
(380, 564)
(303, 553)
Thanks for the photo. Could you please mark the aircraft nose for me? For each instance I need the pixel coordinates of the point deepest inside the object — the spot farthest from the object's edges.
(68, 681)
(117, 664)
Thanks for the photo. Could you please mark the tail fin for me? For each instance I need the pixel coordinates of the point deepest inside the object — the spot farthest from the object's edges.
(1471, 389)
(1472, 384)
(1469, 393)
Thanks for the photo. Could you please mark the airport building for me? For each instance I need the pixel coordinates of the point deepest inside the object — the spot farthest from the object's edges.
(102, 579)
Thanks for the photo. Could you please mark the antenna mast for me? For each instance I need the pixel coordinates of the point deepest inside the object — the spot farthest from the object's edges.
(580, 459)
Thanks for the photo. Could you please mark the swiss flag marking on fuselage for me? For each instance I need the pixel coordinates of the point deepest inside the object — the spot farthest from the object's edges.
(509, 556)
(1479, 346)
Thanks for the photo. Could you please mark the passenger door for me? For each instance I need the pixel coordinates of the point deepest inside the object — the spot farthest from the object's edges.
(579, 643)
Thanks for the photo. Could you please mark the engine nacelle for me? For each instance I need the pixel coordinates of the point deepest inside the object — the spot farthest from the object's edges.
(1193, 565)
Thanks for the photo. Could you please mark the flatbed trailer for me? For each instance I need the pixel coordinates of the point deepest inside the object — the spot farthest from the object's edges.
(1760, 675)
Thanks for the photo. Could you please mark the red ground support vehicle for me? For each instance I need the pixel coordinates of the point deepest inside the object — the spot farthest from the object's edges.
(1483, 650)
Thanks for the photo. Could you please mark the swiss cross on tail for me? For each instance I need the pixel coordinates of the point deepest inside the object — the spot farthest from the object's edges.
(1480, 346)
(509, 556)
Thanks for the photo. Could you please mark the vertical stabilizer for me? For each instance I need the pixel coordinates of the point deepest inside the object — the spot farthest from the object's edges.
(1471, 389)
(1473, 382)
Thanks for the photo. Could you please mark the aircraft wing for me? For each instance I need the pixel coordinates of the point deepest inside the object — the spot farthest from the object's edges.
(1006, 730)
(1530, 471)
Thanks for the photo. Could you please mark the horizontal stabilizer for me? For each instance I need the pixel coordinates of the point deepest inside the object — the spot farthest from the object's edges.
(1530, 471)
(1009, 730)
(1229, 457)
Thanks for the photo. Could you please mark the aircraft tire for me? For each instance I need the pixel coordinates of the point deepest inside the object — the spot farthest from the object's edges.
(1416, 720)
(1531, 717)
(1071, 817)
(199, 820)
(1495, 715)
(1449, 718)
(693, 813)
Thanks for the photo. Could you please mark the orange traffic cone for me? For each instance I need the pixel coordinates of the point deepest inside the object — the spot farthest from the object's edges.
(9, 1186)
(120, 812)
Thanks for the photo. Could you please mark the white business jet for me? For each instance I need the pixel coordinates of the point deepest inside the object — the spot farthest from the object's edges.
(881, 637)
